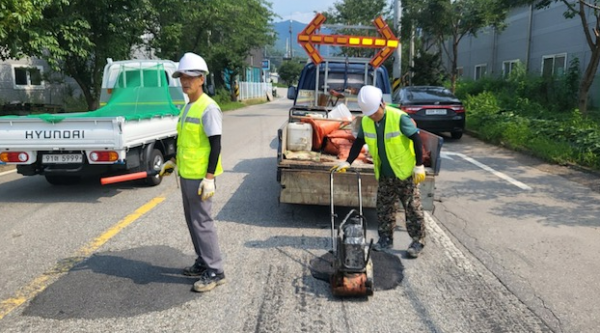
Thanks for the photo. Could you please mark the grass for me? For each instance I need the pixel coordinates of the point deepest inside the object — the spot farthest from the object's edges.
(228, 106)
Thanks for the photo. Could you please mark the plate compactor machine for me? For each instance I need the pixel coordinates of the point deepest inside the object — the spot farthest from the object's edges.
(352, 264)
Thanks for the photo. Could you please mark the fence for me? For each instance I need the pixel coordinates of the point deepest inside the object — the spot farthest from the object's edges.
(251, 90)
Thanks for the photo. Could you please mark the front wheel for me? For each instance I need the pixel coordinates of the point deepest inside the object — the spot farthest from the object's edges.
(155, 163)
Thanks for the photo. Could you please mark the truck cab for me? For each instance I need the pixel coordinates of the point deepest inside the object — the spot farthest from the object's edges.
(142, 73)
(321, 85)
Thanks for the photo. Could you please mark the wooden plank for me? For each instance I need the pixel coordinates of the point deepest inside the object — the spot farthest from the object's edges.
(314, 188)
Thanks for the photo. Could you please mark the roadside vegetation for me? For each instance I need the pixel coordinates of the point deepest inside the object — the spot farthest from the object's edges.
(229, 105)
(75, 42)
(536, 115)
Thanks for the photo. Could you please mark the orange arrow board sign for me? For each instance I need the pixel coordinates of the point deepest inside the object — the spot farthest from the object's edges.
(388, 42)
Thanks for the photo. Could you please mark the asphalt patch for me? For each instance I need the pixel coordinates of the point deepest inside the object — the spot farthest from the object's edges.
(388, 270)
(118, 284)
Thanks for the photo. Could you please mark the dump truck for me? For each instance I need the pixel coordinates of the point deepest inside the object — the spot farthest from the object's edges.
(323, 122)
(134, 130)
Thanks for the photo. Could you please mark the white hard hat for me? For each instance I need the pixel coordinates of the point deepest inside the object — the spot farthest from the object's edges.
(369, 99)
(191, 64)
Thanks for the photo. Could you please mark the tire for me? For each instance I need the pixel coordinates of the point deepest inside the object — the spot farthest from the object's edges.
(62, 180)
(154, 163)
(456, 135)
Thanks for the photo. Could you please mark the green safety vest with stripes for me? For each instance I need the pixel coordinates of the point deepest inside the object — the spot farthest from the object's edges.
(398, 147)
(193, 147)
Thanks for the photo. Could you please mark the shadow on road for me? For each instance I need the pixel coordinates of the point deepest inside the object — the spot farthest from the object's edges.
(36, 189)
(118, 284)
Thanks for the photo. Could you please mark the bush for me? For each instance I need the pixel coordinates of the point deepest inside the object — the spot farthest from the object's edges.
(75, 104)
(532, 114)
(222, 96)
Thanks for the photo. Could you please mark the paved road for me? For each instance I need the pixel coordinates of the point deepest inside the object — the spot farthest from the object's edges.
(88, 258)
(534, 226)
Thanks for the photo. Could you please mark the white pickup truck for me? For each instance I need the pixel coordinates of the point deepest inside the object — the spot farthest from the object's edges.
(133, 130)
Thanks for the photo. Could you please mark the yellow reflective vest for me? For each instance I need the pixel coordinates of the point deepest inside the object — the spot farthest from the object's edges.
(398, 147)
(193, 147)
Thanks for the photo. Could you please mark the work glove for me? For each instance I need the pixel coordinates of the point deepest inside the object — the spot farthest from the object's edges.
(167, 168)
(206, 188)
(418, 174)
(341, 167)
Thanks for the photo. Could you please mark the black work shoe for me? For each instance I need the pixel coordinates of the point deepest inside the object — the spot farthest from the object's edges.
(415, 249)
(209, 280)
(195, 270)
(384, 243)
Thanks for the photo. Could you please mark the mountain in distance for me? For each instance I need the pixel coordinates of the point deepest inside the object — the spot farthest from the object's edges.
(282, 43)
(282, 29)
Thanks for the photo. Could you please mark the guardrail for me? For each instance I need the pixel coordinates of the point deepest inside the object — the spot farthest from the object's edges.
(251, 90)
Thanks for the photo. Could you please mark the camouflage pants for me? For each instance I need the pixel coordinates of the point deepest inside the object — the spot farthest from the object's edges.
(389, 192)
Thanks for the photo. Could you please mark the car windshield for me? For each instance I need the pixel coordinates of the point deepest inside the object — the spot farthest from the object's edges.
(430, 94)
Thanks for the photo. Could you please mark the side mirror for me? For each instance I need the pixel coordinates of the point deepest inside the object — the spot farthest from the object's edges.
(291, 93)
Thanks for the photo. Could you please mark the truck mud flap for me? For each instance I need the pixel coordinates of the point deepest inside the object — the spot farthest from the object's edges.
(427, 189)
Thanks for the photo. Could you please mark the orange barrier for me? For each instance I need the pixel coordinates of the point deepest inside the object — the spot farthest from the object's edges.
(127, 177)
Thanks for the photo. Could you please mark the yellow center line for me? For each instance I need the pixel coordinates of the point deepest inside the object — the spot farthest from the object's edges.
(62, 267)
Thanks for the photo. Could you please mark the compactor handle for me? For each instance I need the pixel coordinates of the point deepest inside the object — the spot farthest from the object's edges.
(331, 204)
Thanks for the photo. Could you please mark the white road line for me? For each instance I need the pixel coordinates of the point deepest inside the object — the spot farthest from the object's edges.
(487, 168)
(437, 235)
(7, 172)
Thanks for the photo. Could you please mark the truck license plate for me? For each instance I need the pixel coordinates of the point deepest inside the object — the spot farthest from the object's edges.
(436, 112)
(62, 158)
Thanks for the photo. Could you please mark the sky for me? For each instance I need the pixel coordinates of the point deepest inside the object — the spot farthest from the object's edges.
(301, 11)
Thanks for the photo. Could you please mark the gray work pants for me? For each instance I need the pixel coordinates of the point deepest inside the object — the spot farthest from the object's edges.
(201, 226)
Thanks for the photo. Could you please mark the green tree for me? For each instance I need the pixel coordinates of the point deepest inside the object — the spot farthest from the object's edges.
(75, 37)
(289, 71)
(223, 32)
(428, 70)
(353, 14)
(448, 21)
(15, 18)
(584, 9)
(356, 12)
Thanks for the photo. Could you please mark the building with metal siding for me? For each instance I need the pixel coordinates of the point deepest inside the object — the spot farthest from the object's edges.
(253, 72)
(541, 39)
(23, 81)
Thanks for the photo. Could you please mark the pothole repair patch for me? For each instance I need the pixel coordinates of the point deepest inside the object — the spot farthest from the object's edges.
(388, 270)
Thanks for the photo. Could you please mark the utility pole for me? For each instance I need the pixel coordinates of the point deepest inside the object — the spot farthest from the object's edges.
(411, 58)
(397, 70)
(291, 45)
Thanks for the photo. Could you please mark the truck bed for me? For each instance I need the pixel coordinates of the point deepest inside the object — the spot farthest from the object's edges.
(305, 177)
(82, 133)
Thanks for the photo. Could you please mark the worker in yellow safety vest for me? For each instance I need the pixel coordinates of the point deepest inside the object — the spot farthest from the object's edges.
(198, 161)
(395, 145)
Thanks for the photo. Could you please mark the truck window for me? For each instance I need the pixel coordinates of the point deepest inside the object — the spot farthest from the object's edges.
(343, 82)
(153, 78)
(142, 78)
